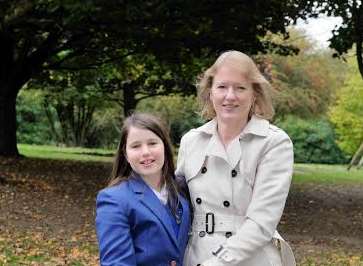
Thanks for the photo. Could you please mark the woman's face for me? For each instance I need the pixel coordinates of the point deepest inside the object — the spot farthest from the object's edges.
(145, 153)
(231, 95)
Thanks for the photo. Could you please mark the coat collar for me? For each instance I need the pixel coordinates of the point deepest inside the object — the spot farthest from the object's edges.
(148, 198)
(256, 126)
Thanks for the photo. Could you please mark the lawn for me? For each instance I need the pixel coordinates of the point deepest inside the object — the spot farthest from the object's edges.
(66, 153)
(47, 205)
(326, 174)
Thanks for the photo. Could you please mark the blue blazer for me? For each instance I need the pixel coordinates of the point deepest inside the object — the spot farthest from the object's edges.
(134, 227)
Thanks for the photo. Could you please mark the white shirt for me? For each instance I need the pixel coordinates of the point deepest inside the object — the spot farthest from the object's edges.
(162, 195)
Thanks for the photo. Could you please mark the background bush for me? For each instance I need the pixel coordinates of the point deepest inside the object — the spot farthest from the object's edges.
(314, 141)
(181, 112)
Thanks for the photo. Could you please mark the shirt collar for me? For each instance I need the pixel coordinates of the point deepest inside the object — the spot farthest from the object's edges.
(162, 195)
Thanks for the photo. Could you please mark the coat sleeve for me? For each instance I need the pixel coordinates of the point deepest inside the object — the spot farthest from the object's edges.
(113, 231)
(271, 187)
(180, 166)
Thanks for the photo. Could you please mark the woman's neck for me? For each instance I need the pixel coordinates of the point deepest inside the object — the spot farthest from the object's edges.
(228, 131)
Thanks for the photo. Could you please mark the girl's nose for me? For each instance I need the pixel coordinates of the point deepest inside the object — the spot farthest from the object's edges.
(145, 149)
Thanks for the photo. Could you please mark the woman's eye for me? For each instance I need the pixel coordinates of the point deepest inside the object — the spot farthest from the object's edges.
(241, 88)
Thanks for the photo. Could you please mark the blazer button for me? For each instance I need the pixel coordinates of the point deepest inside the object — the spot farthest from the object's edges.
(204, 170)
(234, 173)
(201, 233)
(198, 200)
(228, 234)
(198, 264)
(226, 203)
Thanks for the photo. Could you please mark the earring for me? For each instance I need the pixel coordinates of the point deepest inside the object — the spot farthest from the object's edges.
(252, 109)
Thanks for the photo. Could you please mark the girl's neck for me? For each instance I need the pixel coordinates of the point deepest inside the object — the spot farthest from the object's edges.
(154, 182)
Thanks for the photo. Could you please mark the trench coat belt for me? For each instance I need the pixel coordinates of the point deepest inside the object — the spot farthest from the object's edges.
(222, 223)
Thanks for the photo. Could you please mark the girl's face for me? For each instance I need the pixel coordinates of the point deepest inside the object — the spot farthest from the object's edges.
(231, 95)
(145, 153)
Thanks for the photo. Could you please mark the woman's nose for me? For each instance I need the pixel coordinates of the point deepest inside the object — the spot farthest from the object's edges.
(231, 93)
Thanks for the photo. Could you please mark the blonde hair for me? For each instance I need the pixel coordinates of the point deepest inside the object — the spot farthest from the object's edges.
(262, 106)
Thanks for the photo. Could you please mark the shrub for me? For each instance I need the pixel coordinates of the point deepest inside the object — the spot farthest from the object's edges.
(314, 141)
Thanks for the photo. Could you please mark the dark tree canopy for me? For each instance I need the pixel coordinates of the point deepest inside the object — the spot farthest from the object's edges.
(350, 32)
(39, 35)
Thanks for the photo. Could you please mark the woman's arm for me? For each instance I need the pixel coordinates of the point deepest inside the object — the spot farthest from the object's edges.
(113, 231)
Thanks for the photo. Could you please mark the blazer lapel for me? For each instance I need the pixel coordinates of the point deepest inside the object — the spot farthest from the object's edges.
(151, 201)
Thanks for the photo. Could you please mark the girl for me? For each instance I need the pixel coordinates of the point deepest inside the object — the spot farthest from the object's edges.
(141, 219)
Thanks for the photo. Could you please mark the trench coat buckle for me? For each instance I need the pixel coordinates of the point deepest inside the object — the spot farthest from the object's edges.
(209, 223)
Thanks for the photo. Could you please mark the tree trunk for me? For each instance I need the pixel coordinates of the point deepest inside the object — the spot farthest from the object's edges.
(130, 101)
(358, 17)
(8, 142)
(357, 157)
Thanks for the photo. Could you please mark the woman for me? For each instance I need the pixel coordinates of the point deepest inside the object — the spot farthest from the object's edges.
(141, 219)
(238, 168)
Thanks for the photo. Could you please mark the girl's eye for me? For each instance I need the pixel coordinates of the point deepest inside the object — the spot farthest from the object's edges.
(135, 146)
(153, 143)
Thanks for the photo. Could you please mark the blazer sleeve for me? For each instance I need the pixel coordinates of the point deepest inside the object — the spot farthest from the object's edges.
(271, 187)
(113, 231)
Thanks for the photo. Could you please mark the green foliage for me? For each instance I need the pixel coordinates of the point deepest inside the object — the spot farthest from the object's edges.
(69, 110)
(305, 84)
(314, 141)
(347, 113)
(180, 112)
(32, 121)
(106, 124)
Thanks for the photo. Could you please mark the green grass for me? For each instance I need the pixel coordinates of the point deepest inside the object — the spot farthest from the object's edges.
(303, 173)
(66, 153)
(327, 174)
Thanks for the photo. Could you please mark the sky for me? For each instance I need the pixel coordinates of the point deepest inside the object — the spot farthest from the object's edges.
(319, 28)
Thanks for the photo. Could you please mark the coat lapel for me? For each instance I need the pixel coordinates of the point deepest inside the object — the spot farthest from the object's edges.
(151, 201)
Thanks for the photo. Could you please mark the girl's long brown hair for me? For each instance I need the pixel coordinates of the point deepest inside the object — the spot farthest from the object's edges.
(121, 168)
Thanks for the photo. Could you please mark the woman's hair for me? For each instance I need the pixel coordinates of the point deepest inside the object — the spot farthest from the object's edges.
(122, 170)
(262, 89)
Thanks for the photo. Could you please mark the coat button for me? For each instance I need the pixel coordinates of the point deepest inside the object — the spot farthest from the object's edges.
(226, 203)
(234, 173)
(198, 200)
(201, 233)
(228, 234)
(204, 170)
(198, 264)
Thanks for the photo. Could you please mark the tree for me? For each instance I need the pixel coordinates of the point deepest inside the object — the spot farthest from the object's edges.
(42, 34)
(347, 115)
(70, 100)
(350, 32)
(304, 84)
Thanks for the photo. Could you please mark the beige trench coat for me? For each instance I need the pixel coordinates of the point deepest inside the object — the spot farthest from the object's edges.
(238, 195)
